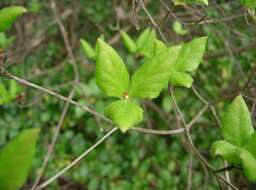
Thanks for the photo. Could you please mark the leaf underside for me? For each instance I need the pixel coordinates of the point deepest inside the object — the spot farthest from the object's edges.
(125, 114)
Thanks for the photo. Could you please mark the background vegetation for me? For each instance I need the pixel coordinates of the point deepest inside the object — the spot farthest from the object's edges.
(43, 46)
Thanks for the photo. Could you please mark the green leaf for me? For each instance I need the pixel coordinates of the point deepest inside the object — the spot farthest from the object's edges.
(251, 146)
(153, 76)
(249, 165)
(5, 41)
(189, 58)
(178, 28)
(191, 54)
(181, 79)
(112, 76)
(159, 46)
(128, 42)
(88, 49)
(184, 2)
(8, 15)
(228, 151)
(125, 114)
(236, 123)
(13, 89)
(16, 159)
(146, 42)
(250, 4)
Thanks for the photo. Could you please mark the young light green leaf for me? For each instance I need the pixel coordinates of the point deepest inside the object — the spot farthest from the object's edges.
(228, 151)
(146, 43)
(249, 165)
(251, 146)
(128, 42)
(112, 76)
(8, 15)
(250, 4)
(159, 46)
(13, 89)
(236, 123)
(190, 56)
(88, 49)
(16, 159)
(181, 79)
(125, 114)
(152, 77)
(178, 28)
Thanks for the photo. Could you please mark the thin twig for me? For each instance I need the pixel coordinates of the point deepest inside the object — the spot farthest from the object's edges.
(50, 92)
(70, 96)
(190, 171)
(248, 83)
(53, 142)
(203, 161)
(65, 39)
(227, 175)
(85, 108)
(143, 7)
(159, 132)
(49, 181)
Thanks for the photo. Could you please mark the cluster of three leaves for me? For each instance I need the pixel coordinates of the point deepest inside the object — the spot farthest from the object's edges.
(169, 64)
(187, 56)
(239, 144)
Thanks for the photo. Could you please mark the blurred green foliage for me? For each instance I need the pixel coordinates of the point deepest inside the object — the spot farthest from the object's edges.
(134, 160)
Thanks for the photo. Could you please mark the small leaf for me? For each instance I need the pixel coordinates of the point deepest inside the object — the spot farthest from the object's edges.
(228, 151)
(8, 15)
(125, 114)
(159, 46)
(146, 43)
(236, 123)
(5, 41)
(128, 42)
(152, 77)
(251, 146)
(181, 79)
(190, 56)
(249, 165)
(88, 49)
(16, 159)
(178, 28)
(112, 76)
(13, 89)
